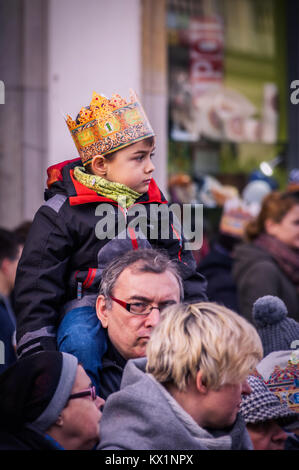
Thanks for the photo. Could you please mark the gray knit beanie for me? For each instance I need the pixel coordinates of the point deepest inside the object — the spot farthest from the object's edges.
(276, 330)
(61, 395)
(35, 389)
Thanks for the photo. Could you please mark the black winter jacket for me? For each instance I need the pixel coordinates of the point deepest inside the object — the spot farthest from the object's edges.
(63, 254)
(26, 438)
(257, 274)
(216, 266)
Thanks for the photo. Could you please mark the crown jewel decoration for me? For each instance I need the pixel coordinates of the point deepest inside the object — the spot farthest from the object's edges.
(107, 125)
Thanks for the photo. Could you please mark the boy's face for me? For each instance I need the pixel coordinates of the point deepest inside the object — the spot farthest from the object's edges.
(132, 166)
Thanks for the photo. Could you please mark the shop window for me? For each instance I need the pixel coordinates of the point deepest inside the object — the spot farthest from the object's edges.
(227, 89)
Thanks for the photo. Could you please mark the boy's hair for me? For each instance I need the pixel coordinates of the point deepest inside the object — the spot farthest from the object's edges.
(110, 156)
(141, 261)
(206, 337)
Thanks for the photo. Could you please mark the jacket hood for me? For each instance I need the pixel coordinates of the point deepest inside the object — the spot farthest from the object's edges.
(247, 255)
(61, 181)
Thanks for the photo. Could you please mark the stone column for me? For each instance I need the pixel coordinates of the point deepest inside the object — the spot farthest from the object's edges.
(154, 80)
(23, 58)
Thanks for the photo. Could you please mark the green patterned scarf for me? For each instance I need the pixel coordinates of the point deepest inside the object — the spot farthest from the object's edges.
(116, 191)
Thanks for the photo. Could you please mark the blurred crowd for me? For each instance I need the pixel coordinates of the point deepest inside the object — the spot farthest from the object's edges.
(251, 264)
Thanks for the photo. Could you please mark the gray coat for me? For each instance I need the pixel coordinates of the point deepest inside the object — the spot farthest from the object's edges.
(144, 416)
(257, 274)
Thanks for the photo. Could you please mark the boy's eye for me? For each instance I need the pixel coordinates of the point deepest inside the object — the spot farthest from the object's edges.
(142, 157)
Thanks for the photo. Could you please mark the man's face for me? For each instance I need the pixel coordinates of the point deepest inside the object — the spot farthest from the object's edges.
(222, 406)
(130, 333)
(267, 436)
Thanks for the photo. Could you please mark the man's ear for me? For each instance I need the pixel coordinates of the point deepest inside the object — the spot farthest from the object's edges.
(99, 165)
(200, 385)
(59, 421)
(102, 310)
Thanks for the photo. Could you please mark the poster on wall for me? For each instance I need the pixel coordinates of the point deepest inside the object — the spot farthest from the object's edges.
(206, 43)
(203, 42)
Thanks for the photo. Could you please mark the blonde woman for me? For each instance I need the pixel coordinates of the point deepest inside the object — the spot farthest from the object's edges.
(187, 394)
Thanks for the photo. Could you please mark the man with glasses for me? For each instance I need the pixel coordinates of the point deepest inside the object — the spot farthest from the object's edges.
(134, 290)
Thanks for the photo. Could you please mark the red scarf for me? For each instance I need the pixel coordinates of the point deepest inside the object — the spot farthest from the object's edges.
(286, 257)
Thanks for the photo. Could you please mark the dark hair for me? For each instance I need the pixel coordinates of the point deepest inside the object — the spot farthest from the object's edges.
(110, 156)
(274, 207)
(22, 230)
(8, 245)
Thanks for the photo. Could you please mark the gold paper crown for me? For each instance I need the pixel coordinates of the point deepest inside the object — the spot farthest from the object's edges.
(107, 125)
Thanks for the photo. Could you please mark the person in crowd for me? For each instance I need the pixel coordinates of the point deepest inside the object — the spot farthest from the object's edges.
(22, 231)
(268, 263)
(217, 265)
(134, 290)
(265, 417)
(276, 330)
(98, 207)
(10, 252)
(47, 403)
(186, 394)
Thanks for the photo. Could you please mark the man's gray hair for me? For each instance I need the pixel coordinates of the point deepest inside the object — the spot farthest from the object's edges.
(146, 260)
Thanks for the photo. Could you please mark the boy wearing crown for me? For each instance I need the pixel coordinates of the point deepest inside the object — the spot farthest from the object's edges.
(86, 221)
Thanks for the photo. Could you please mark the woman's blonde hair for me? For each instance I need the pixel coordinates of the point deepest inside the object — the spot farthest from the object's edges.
(206, 337)
(274, 207)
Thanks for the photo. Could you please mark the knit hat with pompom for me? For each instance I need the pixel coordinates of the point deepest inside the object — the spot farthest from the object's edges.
(276, 330)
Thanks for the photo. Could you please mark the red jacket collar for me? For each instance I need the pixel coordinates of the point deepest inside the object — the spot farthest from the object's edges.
(54, 172)
(85, 195)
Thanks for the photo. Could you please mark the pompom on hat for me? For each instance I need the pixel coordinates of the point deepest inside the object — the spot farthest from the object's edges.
(35, 389)
(262, 405)
(276, 330)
